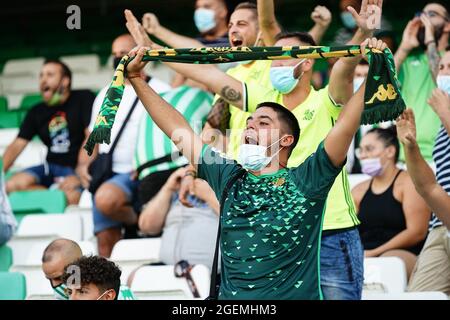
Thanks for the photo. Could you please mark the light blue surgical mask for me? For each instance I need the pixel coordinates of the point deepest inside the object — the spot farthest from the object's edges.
(282, 78)
(204, 19)
(348, 20)
(253, 157)
(357, 82)
(443, 83)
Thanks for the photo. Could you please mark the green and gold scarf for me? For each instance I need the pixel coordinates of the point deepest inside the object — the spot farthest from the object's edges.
(382, 97)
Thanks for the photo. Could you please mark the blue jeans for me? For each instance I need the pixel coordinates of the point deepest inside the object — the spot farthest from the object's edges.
(342, 266)
(45, 174)
(129, 187)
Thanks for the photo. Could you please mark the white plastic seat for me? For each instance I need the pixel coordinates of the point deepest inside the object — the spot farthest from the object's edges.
(159, 282)
(37, 283)
(384, 275)
(431, 295)
(41, 229)
(95, 81)
(84, 63)
(23, 84)
(30, 66)
(132, 253)
(88, 223)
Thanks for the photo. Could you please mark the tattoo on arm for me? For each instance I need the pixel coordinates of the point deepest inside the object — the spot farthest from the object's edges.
(230, 94)
(433, 59)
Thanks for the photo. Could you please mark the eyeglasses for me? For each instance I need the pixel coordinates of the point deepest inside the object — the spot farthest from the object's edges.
(182, 269)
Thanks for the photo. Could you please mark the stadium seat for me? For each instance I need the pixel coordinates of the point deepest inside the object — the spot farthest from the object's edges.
(160, 283)
(42, 229)
(37, 201)
(88, 223)
(20, 84)
(20, 67)
(5, 258)
(132, 253)
(431, 295)
(91, 81)
(8, 118)
(30, 100)
(384, 275)
(86, 63)
(13, 286)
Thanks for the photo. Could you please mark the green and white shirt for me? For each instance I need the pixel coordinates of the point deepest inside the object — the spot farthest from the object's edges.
(194, 104)
(271, 227)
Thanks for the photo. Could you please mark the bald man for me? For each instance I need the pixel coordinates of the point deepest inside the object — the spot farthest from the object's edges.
(56, 256)
(115, 201)
(61, 253)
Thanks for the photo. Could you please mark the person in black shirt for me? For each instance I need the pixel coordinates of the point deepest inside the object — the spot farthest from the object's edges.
(394, 217)
(61, 122)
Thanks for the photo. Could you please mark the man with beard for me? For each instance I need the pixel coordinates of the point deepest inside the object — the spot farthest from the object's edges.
(60, 121)
(417, 60)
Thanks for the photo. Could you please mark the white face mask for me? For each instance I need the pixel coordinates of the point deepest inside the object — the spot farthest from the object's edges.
(443, 83)
(59, 292)
(253, 157)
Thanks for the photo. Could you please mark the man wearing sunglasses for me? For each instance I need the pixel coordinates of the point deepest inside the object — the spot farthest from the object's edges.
(417, 59)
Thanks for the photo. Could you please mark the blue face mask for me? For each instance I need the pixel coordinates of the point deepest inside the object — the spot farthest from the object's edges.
(443, 83)
(282, 78)
(348, 20)
(204, 19)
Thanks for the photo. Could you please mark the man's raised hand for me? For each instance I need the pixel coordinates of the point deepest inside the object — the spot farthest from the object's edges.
(137, 30)
(406, 128)
(369, 17)
(135, 67)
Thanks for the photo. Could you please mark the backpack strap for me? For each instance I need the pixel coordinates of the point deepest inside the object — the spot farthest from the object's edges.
(213, 283)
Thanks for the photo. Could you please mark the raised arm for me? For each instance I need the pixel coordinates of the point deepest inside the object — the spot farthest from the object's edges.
(216, 80)
(166, 117)
(409, 42)
(431, 43)
(268, 24)
(421, 174)
(340, 137)
(440, 102)
(341, 77)
(322, 19)
(151, 25)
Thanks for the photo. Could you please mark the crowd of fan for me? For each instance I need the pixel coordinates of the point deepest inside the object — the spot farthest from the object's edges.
(403, 210)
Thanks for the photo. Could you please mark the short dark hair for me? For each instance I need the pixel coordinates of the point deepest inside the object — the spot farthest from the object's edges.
(96, 270)
(389, 137)
(286, 117)
(304, 37)
(249, 6)
(65, 69)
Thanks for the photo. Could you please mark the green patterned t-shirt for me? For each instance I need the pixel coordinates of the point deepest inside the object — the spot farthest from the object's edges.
(271, 227)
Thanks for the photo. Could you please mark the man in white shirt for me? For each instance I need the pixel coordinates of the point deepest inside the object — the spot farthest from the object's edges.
(113, 201)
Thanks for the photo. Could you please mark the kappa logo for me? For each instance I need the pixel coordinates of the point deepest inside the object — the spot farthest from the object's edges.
(384, 94)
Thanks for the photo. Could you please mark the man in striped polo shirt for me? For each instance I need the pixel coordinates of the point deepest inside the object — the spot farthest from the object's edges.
(432, 270)
(155, 156)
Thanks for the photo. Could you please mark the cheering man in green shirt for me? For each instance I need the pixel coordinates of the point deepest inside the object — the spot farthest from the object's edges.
(271, 216)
